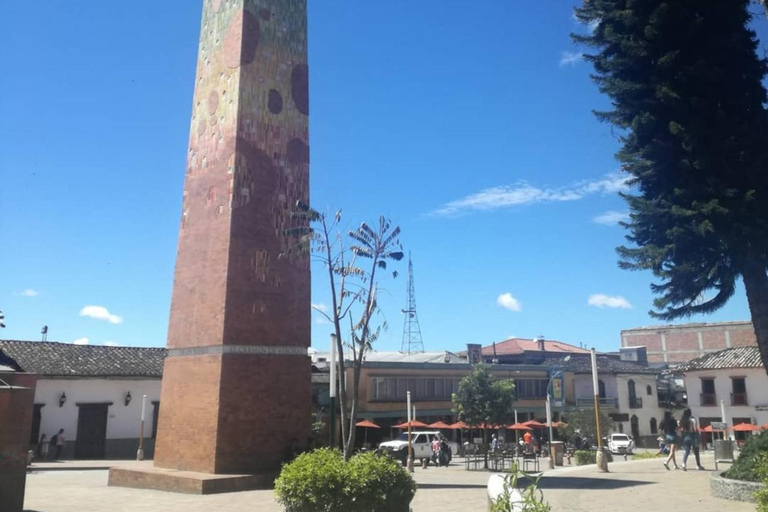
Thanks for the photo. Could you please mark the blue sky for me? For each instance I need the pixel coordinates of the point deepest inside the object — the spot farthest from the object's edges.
(469, 125)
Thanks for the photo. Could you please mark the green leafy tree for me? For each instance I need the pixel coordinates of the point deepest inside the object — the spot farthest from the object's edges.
(483, 399)
(354, 261)
(685, 83)
(582, 422)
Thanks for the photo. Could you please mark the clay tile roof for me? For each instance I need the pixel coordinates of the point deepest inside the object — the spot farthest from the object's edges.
(54, 359)
(605, 364)
(519, 346)
(739, 357)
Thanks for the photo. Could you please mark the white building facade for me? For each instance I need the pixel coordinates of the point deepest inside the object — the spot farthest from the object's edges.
(733, 381)
(94, 393)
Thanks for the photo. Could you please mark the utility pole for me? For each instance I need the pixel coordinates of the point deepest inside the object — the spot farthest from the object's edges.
(412, 341)
(602, 460)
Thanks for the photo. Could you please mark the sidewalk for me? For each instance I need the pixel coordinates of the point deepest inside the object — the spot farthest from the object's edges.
(630, 486)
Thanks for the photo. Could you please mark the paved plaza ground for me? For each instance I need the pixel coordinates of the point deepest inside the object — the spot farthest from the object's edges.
(634, 485)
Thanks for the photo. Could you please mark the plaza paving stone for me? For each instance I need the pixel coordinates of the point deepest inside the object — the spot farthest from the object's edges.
(635, 485)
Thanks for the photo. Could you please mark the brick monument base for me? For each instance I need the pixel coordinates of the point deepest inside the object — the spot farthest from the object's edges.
(143, 475)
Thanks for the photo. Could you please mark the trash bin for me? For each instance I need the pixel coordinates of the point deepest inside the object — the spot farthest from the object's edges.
(723, 451)
(558, 451)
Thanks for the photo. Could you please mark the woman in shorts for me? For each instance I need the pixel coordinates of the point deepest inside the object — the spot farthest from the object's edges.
(669, 426)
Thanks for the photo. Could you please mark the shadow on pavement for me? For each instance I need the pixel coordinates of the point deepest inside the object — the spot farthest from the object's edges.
(445, 486)
(555, 482)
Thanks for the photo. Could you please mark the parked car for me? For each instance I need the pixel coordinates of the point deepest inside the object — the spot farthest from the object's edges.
(422, 446)
(621, 444)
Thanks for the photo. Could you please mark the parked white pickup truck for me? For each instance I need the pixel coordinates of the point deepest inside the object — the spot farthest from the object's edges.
(422, 445)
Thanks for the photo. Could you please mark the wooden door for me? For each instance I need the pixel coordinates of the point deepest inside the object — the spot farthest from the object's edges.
(91, 431)
(34, 437)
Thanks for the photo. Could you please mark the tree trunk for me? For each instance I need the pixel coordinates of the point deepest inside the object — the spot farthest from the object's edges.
(756, 284)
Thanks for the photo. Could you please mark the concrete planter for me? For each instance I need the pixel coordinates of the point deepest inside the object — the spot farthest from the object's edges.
(734, 490)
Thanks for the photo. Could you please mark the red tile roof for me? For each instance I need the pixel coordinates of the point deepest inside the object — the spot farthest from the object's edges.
(520, 346)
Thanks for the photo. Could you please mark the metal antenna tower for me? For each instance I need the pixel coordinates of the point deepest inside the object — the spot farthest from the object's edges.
(412, 341)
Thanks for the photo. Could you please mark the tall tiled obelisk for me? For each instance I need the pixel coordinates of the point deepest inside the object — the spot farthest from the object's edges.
(236, 385)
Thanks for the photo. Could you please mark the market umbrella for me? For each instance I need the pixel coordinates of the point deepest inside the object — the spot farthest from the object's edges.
(460, 425)
(558, 424)
(414, 424)
(745, 427)
(765, 426)
(366, 424)
(485, 426)
(708, 428)
(519, 426)
(534, 424)
(442, 426)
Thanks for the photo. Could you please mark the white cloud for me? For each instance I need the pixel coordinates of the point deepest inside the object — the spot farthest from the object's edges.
(523, 193)
(81, 341)
(101, 313)
(601, 300)
(111, 344)
(570, 58)
(29, 292)
(320, 307)
(507, 301)
(321, 321)
(611, 217)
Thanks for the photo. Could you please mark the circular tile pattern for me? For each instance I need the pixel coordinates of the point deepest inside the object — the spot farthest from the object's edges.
(297, 152)
(275, 101)
(213, 102)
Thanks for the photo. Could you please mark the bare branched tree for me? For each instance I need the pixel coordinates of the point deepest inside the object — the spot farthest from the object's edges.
(354, 263)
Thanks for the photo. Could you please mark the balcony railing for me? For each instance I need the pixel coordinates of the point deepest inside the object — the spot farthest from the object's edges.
(637, 403)
(708, 400)
(739, 399)
(610, 403)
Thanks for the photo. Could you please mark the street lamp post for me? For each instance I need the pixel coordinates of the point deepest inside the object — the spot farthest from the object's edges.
(601, 459)
(140, 452)
(556, 374)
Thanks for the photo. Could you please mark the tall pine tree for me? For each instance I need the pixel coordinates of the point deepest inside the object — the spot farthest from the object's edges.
(685, 82)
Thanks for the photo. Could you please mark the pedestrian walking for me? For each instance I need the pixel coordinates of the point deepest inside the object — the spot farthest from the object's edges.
(494, 443)
(686, 434)
(697, 444)
(669, 427)
(59, 443)
(42, 447)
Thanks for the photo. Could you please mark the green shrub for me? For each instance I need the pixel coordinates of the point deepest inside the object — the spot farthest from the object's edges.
(762, 472)
(320, 481)
(532, 497)
(584, 457)
(747, 466)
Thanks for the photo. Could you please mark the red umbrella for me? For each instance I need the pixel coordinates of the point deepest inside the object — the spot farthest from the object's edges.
(519, 426)
(708, 428)
(534, 424)
(442, 426)
(765, 426)
(460, 425)
(488, 427)
(558, 424)
(366, 424)
(745, 427)
(414, 424)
